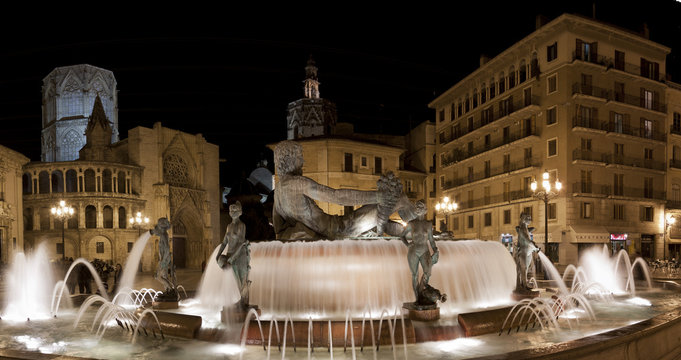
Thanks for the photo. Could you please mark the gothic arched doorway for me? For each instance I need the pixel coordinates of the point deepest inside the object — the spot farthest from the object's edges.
(179, 244)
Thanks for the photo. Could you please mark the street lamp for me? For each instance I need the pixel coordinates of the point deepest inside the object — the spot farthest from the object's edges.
(547, 193)
(446, 207)
(63, 213)
(138, 221)
(670, 221)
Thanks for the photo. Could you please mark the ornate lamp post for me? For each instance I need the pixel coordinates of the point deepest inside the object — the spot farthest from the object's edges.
(446, 207)
(670, 220)
(547, 193)
(139, 221)
(63, 213)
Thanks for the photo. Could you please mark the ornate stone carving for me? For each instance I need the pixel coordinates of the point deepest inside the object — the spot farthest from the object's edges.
(176, 171)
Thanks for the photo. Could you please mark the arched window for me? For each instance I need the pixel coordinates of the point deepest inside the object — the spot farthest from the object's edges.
(107, 214)
(121, 182)
(28, 219)
(122, 219)
(522, 72)
(106, 181)
(27, 184)
(73, 220)
(483, 93)
(502, 83)
(475, 98)
(57, 181)
(176, 171)
(90, 181)
(71, 145)
(90, 217)
(44, 182)
(44, 218)
(71, 181)
(467, 104)
(534, 65)
(511, 77)
(492, 89)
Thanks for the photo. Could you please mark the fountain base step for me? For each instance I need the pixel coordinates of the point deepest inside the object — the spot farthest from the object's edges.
(173, 324)
(319, 331)
(483, 322)
(234, 314)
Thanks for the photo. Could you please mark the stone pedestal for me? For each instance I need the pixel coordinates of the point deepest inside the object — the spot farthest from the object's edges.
(236, 313)
(164, 305)
(418, 312)
(518, 295)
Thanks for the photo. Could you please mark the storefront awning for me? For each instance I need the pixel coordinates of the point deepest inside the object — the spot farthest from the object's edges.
(589, 234)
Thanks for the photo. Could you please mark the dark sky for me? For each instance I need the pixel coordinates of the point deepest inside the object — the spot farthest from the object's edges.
(230, 74)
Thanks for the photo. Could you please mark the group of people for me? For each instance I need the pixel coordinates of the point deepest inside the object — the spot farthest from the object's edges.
(82, 276)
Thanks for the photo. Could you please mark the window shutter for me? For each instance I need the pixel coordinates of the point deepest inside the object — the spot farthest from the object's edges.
(656, 98)
(594, 116)
(643, 97)
(644, 68)
(594, 51)
(627, 121)
(656, 71)
(641, 213)
(578, 49)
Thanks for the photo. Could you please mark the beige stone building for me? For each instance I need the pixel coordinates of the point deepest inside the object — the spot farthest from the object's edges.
(157, 171)
(586, 102)
(11, 204)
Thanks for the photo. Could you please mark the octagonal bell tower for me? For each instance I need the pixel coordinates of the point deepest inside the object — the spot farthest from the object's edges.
(69, 94)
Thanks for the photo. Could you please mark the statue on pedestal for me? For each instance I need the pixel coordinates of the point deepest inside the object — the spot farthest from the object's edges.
(238, 252)
(165, 272)
(421, 235)
(522, 254)
(297, 216)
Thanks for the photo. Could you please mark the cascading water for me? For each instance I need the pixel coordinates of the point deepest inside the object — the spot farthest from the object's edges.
(615, 275)
(326, 278)
(132, 264)
(30, 281)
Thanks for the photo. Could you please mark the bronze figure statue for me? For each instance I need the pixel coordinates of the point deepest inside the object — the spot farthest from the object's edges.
(297, 216)
(165, 272)
(238, 252)
(421, 232)
(522, 253)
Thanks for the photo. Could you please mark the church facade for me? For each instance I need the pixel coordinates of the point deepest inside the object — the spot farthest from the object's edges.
(158, 172)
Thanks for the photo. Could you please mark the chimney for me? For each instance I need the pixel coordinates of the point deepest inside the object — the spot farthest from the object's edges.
(483, 59)
(540, 21)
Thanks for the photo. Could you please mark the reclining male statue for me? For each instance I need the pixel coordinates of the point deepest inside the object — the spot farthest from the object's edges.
(297, 216)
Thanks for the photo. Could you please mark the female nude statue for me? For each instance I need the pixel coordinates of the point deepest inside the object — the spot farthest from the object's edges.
(238, 251)
(165, 273)
(421, 234)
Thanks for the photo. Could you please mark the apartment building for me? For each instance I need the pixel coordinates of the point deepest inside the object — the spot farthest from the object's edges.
(582, 100)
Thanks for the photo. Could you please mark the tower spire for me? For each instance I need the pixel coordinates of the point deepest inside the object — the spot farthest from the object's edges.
(311, 83)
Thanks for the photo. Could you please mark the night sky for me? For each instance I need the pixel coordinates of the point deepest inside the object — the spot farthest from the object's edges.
(230, 74)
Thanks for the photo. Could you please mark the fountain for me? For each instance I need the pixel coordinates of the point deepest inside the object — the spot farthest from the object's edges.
(345, 297)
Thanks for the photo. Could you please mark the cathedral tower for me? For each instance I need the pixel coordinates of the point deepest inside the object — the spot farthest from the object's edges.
(69, 94)
(311, 115)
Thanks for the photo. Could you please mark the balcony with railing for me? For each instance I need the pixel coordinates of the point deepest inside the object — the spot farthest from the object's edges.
(609, 190)
(487, 116)
(495, 199)
(611, 95)
(504, 169)
(617, 128)
(610, 63)
(456, 155)
(610, 158)
(675, 163)
(588, 155)
(635, 162)
(676, 130)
